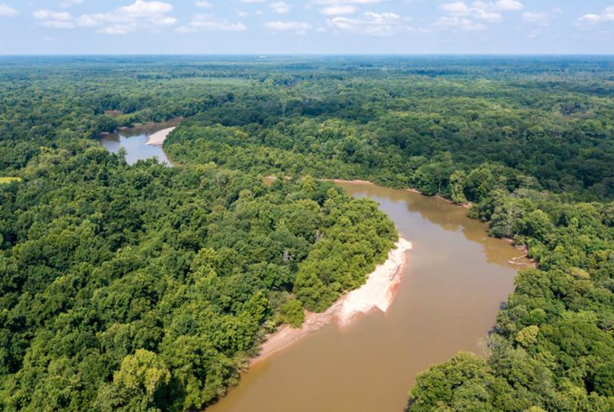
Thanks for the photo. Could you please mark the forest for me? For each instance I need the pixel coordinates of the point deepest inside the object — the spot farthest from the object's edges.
(147, 288)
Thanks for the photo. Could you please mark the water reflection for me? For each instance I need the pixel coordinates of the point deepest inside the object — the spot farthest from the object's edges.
(448, 217)
(134, 140)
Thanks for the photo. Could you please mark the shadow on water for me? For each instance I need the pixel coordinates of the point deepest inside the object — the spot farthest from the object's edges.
(410, 403)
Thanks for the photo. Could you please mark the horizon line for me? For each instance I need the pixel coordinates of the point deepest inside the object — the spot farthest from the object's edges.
(261, 55)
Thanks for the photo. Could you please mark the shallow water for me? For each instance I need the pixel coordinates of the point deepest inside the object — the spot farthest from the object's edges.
(455, 282)
(134, 141)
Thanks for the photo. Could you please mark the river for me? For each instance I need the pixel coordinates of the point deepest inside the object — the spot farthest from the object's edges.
(134, 141)
(456, 280)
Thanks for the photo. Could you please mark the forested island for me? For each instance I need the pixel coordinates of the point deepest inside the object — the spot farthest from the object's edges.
(146, 287)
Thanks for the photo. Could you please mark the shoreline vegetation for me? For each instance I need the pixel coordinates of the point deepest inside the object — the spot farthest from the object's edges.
(377, 293)
(343, 310)
(310, 249)
(526, 142)
(545, 209)
(381, 284)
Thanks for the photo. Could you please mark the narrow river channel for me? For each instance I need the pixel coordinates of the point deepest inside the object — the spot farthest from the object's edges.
(455, 282)
(134, 142)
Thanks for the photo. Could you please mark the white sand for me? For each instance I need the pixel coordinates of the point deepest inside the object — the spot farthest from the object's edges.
(376, 294)
(379, 291)
(158, 138)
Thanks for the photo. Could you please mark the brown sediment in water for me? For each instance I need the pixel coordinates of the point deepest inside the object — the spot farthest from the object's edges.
(454, 286)
(376, 294)
(466, 205)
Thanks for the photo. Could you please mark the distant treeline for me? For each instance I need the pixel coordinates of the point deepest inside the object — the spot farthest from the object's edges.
(147, 288)
(136, 288)
(535, 158)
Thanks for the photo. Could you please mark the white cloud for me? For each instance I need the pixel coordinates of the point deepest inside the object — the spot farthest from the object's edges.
(6, 11)
(605, 16)
(52, 15)
(508, 5)
(127, 19)
(210, 22)
(338, 10)
(295, 26)
(485, 14)
(280, 7)
(203, 4)
(457, 8)
(345, 2)
(145, 9)
(55, 20)
(375, 24)
(458, 23)
(539, 19)
(70, 3)
(481, 10)
(460, 8)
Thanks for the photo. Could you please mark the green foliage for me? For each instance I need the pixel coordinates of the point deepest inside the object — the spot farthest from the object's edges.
(292, 313)
(603, 380)
(528, 336)
(146, 287)
(498, 145)
(459, 385)
(136, 385)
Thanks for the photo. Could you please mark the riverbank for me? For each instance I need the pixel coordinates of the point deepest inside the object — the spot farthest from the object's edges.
(158, 138)
(467, 205)
(377, 293)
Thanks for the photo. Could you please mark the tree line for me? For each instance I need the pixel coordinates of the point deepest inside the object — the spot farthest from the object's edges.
(532, 155)
(147, 288)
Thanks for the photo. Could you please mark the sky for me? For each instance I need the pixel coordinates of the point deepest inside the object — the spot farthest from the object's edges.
(306, 27)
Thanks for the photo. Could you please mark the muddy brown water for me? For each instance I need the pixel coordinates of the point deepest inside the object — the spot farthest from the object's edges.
(456, 280)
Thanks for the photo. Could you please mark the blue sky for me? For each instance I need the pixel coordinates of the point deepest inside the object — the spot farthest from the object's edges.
(306, 27)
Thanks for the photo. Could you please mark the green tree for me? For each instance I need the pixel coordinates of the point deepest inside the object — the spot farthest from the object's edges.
(137, 385)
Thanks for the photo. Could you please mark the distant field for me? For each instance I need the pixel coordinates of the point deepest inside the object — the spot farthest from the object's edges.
(9, 179)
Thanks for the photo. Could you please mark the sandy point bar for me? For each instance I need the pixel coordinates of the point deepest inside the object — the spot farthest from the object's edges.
(158, 138)
(376, 294)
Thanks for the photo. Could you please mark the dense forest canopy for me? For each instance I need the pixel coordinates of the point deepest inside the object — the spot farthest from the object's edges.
(143, 287)
(146, 287)
(108, 268)
(548, 118)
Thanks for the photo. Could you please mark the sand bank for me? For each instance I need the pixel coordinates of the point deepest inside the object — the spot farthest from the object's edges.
(158, 138)
(376, 294)
(355, 181)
